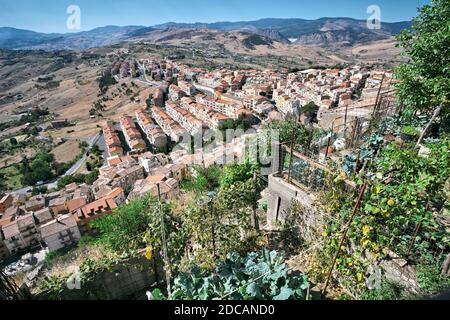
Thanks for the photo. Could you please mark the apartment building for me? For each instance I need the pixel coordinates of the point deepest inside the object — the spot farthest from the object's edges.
(6, 202)
(21, 234)
(186, 119)
(155, 134)
(206, 114)
(92, 211)
(168, 188)
(60, 233)
(171, 128)
(175, 93)
(112, 140)
(35, 203)
(150, 161)
(42, 216)
(187, 87)
(117, 195)
(123, 176)
(132, 135)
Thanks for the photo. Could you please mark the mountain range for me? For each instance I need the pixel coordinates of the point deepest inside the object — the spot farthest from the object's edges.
(324, 32)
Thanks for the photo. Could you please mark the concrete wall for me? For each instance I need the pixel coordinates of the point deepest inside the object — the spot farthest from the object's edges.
(129, 280)
(282, 196)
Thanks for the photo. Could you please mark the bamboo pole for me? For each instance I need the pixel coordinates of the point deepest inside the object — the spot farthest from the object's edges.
(164, 243)
(435, 114)
(344, 236)
(378, 95)
(255, 216)
(293, 137)
(416, 232)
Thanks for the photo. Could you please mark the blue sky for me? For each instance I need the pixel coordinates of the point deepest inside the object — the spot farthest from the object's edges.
(51, 16)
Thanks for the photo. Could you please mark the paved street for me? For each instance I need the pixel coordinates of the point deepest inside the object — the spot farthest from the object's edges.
(54, 184)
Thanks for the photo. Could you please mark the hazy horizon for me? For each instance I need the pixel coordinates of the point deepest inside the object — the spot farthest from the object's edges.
(49, 16)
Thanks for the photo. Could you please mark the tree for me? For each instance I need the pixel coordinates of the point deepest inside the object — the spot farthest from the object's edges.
(286, 129)
(238, 173)
(424, 80)
(13, 141)
(2, 182)
(221, 223)
(137, 225)
(39, 169)
(206, 179)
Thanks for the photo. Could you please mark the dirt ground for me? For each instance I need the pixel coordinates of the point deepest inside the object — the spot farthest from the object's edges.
(67, 151)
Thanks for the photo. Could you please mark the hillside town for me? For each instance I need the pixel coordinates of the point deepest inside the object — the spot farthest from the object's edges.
(199, 101)
(243, 161)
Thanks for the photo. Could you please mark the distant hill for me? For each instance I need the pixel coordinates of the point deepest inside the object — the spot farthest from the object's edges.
(324, 32)
(11, 38)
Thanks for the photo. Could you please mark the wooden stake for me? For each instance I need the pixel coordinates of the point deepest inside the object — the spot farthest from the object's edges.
(416, 232)
(164, 243)
(378, 96)
(344, 236)
(292, 151)
(435, 114)
(255, 216)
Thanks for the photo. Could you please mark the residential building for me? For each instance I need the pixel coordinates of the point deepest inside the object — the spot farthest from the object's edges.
(21, 234)
(186, 119)
(132, 135)
(112, 140)
(92, 211)
(60, 233)
(171, 127)
(6, 202)
(155, 134)
(117, 195)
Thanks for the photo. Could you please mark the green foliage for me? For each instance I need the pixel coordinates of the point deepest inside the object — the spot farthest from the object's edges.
(79, 178)
(431, 279)
(310, 109)
(120, 230)
(138, 224)
(424, 80)
(39, 169)
(258, 276)
(405, 190)
(286, 129)
(221, 223)
(242, 123)
(54, 286)
(410, 131)
(2, 182)
(205, 179)
(105, 81)
(39, 190)
(238, 173)
(388, 291)
(256, 40)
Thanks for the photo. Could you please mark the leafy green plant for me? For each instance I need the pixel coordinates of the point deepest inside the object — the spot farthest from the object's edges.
(53, 285)
(431, 278)
(409, 131)
(405, 191)
(258, 276)
(388, 291)
(218, 223)
(238, 173)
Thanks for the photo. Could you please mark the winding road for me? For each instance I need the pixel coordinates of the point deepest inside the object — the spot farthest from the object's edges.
(76, 166)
